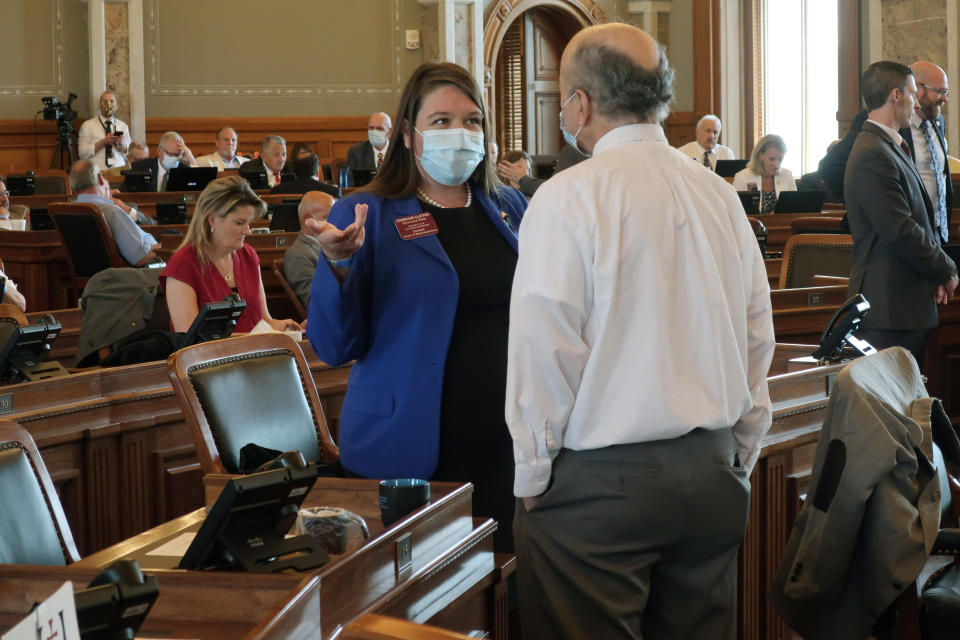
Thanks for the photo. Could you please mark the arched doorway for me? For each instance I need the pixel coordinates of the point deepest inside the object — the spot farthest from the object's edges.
(522, 43)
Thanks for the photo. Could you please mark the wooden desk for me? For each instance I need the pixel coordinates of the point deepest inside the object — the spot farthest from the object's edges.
(209, 606)
(37, 262)
(447, 585)
(778, 227)
(118, 449)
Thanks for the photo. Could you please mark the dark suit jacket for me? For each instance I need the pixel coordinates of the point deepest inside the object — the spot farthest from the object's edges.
(567, 158)
(303, 185)
(299, 265)
(257, 165)
(897, 261)
(360, 156)
(153, 165)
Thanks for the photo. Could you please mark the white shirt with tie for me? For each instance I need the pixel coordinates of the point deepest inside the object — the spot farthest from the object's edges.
(695, 151)
(95, 129)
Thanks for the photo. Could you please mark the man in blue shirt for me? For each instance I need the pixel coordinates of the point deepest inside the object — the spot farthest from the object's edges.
(135, 245)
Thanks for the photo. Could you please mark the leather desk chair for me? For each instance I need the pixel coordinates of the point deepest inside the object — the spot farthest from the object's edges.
(818, 224)
(807, 255)
(250, 389)
(301, 313)
(51, 182)
(90, 245)
(33, 527)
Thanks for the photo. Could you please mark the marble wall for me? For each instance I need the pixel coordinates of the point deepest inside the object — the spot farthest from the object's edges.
(915, 30)
(117, 41)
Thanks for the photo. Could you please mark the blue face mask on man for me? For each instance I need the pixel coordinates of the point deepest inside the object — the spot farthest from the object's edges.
(450, 156)
(570, 139)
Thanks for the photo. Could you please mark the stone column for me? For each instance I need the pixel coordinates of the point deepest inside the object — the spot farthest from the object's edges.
(116, 59)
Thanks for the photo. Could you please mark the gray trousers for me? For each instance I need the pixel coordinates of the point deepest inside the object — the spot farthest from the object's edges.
(635, 541)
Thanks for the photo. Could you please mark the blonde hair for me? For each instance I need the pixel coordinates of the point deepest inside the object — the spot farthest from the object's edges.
(764, 143)
(221, 197)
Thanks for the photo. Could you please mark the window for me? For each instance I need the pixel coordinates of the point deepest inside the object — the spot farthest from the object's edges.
(798, 87)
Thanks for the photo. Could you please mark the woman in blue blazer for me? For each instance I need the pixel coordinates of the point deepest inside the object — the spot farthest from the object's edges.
(416, 289)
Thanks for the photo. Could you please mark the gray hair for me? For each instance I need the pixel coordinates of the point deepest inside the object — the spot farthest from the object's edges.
(270, 140)
(709, 116)
(169, 136)
(83, 175)
(619, 87)
(764, 143)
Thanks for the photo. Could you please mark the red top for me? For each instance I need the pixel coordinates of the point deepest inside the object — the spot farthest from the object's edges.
(210, 286)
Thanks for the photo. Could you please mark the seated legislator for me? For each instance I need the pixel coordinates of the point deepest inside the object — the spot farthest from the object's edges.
(514, 172)
(306, 168)
(300, 260)
(273, 156)
(12, 295)
(172, 153)
(763, 172)
(418, 293)
(370, 153)
(137, 151)
(135, 245)
(214, 261)
(706, 149)
(225, 157)
(4, 206)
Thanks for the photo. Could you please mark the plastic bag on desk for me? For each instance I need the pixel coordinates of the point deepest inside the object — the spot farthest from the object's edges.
(338, 530)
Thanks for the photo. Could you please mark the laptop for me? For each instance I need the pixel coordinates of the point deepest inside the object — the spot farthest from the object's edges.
(284, 216)
(255, 174)
(730, 168)
(800, 202)
(750, 201)
(40, 220)
(190, 178)
(171, 213)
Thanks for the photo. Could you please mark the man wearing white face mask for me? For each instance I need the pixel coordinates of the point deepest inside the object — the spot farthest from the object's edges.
(417, 293)
(370, 153)
(172, 153)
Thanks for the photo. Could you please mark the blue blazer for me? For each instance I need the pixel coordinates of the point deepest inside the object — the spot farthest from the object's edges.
(394, 315)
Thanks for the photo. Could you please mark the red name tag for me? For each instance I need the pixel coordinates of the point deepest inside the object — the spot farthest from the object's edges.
(416, 226)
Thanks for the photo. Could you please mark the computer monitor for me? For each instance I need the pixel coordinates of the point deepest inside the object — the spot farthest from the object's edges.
(21, 184)
(284, 216)
(800, 202)
(362, 177)
(171, 213)
(730, 168)
(190, 178)
(138, 180)
(24, 350)
(215, 320)
(255, 174)
(245, 529)
(40, 219)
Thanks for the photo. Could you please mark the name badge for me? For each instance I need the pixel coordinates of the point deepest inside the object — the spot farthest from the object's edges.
(416, 226)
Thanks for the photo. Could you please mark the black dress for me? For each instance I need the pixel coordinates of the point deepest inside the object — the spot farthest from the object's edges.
(475, 445)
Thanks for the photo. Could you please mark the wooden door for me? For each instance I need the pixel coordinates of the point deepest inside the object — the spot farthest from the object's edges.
(543, 45)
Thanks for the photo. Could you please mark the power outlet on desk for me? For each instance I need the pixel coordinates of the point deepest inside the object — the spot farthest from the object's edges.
(814, 299)
(404, 553)
(6, 403)
(281, 242)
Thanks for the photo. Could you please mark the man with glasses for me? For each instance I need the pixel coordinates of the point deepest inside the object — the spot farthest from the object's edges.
(172, 153)
(928, 143)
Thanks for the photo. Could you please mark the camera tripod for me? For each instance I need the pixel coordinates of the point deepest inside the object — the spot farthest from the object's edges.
(65, 151)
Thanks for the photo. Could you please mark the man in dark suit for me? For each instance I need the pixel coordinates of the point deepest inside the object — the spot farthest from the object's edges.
(306, 168)
(370, 153)
(928, 143)
(898, 264)
(172, 153)
(273, 157)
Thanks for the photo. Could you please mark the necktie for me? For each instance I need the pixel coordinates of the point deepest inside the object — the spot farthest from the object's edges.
(379, 159)
(940, 206)
(906, 149)
(706, 160)
(163, 183)
(276, 178)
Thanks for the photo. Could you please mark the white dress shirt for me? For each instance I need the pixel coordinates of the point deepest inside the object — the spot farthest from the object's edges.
(640, 309)
(93, 130)
(922, 158)
(216, 160)
(377, 152)
(783, 181)
(695, 151)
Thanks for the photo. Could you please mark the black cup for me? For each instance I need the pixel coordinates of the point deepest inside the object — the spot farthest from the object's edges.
(401, 496)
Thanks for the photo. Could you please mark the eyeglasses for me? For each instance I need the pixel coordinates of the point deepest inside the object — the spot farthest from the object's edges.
(173, 154)
(942, 91)
(4, 193)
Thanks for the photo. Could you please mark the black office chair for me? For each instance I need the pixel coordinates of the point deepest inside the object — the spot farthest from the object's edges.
(33, 527)
(90, 245)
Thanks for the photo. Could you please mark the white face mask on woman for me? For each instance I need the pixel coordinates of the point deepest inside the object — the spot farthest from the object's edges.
(450, 156)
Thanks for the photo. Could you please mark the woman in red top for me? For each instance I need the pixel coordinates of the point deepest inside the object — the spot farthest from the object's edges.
(214, 261)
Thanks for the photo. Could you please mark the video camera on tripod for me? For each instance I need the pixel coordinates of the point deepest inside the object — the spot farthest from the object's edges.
(53, 109)
(63, 112)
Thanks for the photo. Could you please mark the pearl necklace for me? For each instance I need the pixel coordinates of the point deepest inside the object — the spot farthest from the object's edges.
(429, 200)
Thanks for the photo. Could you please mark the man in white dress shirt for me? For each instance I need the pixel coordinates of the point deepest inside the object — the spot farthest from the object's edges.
(106, 137)
(706, 149)
(640, 337)
(928, 143)
(225, 157)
